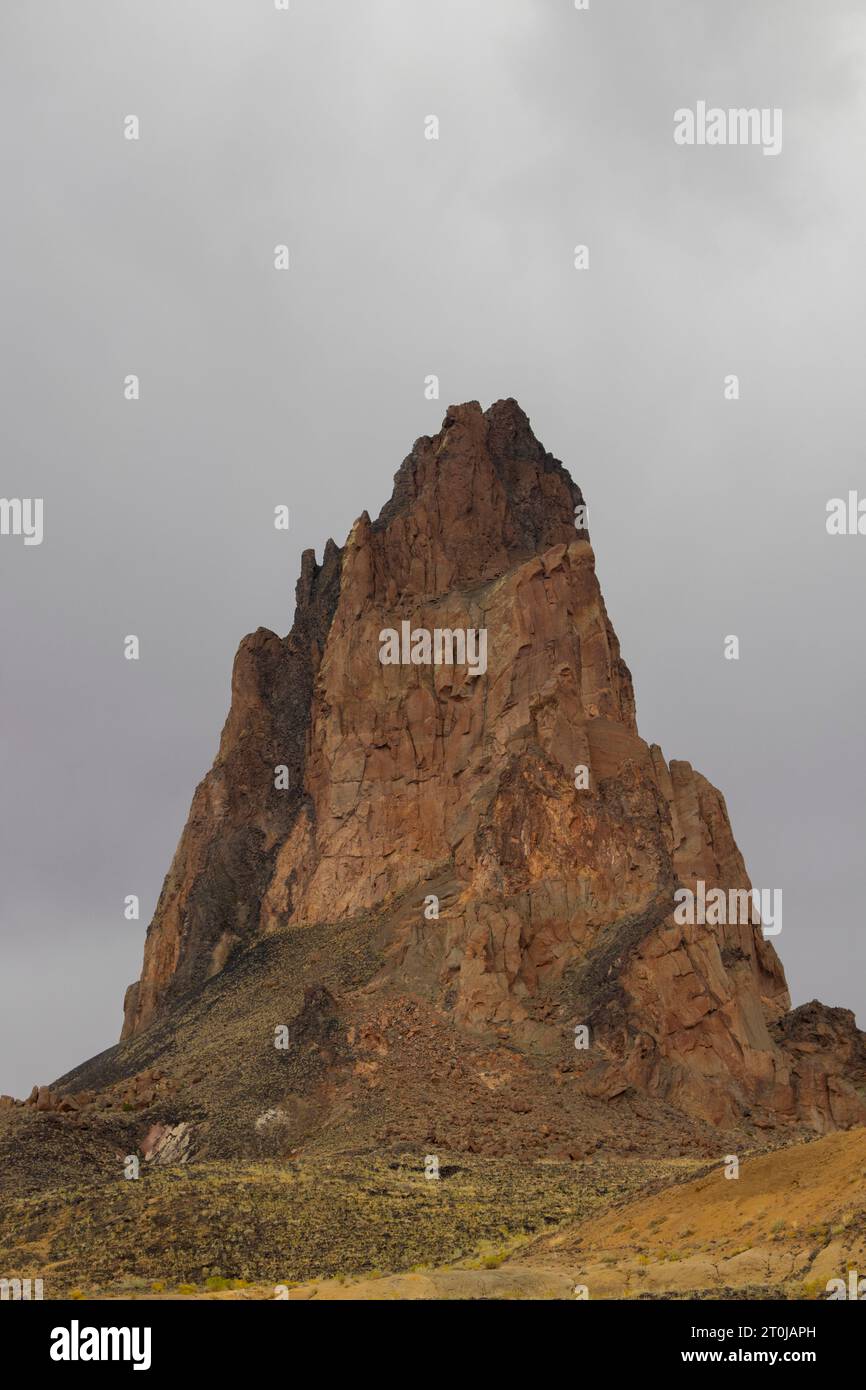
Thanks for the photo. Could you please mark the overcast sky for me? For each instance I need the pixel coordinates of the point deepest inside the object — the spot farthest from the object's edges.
(410, 257)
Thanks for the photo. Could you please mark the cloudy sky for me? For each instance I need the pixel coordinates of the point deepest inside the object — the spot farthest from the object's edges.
(411, 257)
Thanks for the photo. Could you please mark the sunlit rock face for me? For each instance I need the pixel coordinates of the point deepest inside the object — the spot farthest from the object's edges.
(504, 818)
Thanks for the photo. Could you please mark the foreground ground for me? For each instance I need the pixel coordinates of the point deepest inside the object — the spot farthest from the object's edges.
(364, 1227)
(301, 1167)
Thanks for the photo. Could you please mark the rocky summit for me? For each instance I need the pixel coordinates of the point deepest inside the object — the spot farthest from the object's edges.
(515, 903)
(423, 910)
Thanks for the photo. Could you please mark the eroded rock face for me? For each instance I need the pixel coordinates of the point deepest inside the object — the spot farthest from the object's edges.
(407, 781)
(212, 895)
(166, 1145)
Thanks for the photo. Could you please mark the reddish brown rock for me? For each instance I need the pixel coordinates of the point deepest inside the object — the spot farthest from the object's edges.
(556, 903)
(165, 1145)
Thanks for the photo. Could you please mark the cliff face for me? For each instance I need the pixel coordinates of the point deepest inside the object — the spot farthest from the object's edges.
(412, 786)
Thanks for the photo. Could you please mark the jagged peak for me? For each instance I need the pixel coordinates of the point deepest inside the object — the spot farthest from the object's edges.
(483, 492)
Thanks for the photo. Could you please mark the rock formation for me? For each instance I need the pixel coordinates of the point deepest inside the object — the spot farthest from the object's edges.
(408, 785)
